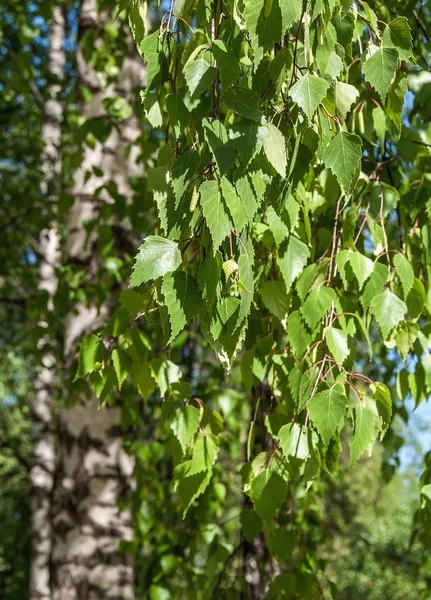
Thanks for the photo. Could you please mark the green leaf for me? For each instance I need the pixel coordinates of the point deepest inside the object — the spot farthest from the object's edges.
(165, 373)
(294, 441)
(177, 113)
(209, 275)
(227, 63)
(398, 35)
(334, 65)
(225, 317)
(279, 228)
(366, 420)
(290, 13)
(157, 256)
(308, 92)
(344, 23)
(382, 397)
(274, 145)
(246, 276)
(345, 96)
(362, 267)
(159, 182)
(405, 337)
(149, 47)
(122, 364)
(268, 491)
(371, 15)
(91, 352)
(281, 543)
(199, 76)
(243, 101)
(205, 453)
(227, 328)
(389, 310)
(343, 156)
(292, 209)
(103, 382)
(212, 421)
(275, 298)
(318, 301)
(326, 412)
(292, 261)
(190, 488)
(182, 173)
(215, 212)
(284, 586)
(137, 19)
(184, 424)
(364, 330)
(245, 189)
(259, 181)
(374, 285)
(230, 334)
(337, 341)
(380, 125)
(426, 491)
(308, 279)
(219, 143)
(264, 27)
(247, 138)
(235, 205)
(157, 592)
(380, 68)
(180, 391)
(251, 524)
(395, 103)
(145, 380)
(416, 299)
(405, 273)
(274, 422)
(179, 9)
(153, 112)
(342, 260)
(182, 300)
(297, 334)
(280, 67)
(326, 48)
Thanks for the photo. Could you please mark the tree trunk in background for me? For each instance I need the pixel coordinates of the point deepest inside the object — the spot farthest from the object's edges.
(43, 465)
(94, 471)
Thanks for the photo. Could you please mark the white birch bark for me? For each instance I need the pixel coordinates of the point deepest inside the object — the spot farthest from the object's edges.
(43, 436)
(94, 470)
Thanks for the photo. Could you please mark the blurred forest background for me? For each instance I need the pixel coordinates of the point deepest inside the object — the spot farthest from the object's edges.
(358, 527)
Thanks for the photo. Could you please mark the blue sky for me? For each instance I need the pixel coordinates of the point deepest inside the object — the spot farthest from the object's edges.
(418, 431)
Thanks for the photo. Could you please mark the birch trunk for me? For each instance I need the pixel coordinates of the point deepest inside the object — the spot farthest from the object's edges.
(43, 463)
(94, 471)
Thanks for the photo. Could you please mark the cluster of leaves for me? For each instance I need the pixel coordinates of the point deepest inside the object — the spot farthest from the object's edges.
(293, 231)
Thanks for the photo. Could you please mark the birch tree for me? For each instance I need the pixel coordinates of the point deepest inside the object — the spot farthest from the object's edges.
(94, 471)
(43, 427)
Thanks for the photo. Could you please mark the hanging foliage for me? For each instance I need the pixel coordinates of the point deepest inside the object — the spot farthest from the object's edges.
(293, 233)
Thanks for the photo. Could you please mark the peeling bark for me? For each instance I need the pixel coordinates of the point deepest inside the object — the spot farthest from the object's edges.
(94, 473)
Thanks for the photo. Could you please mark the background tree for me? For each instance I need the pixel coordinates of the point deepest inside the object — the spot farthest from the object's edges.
(43, 425)
(94, 471)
